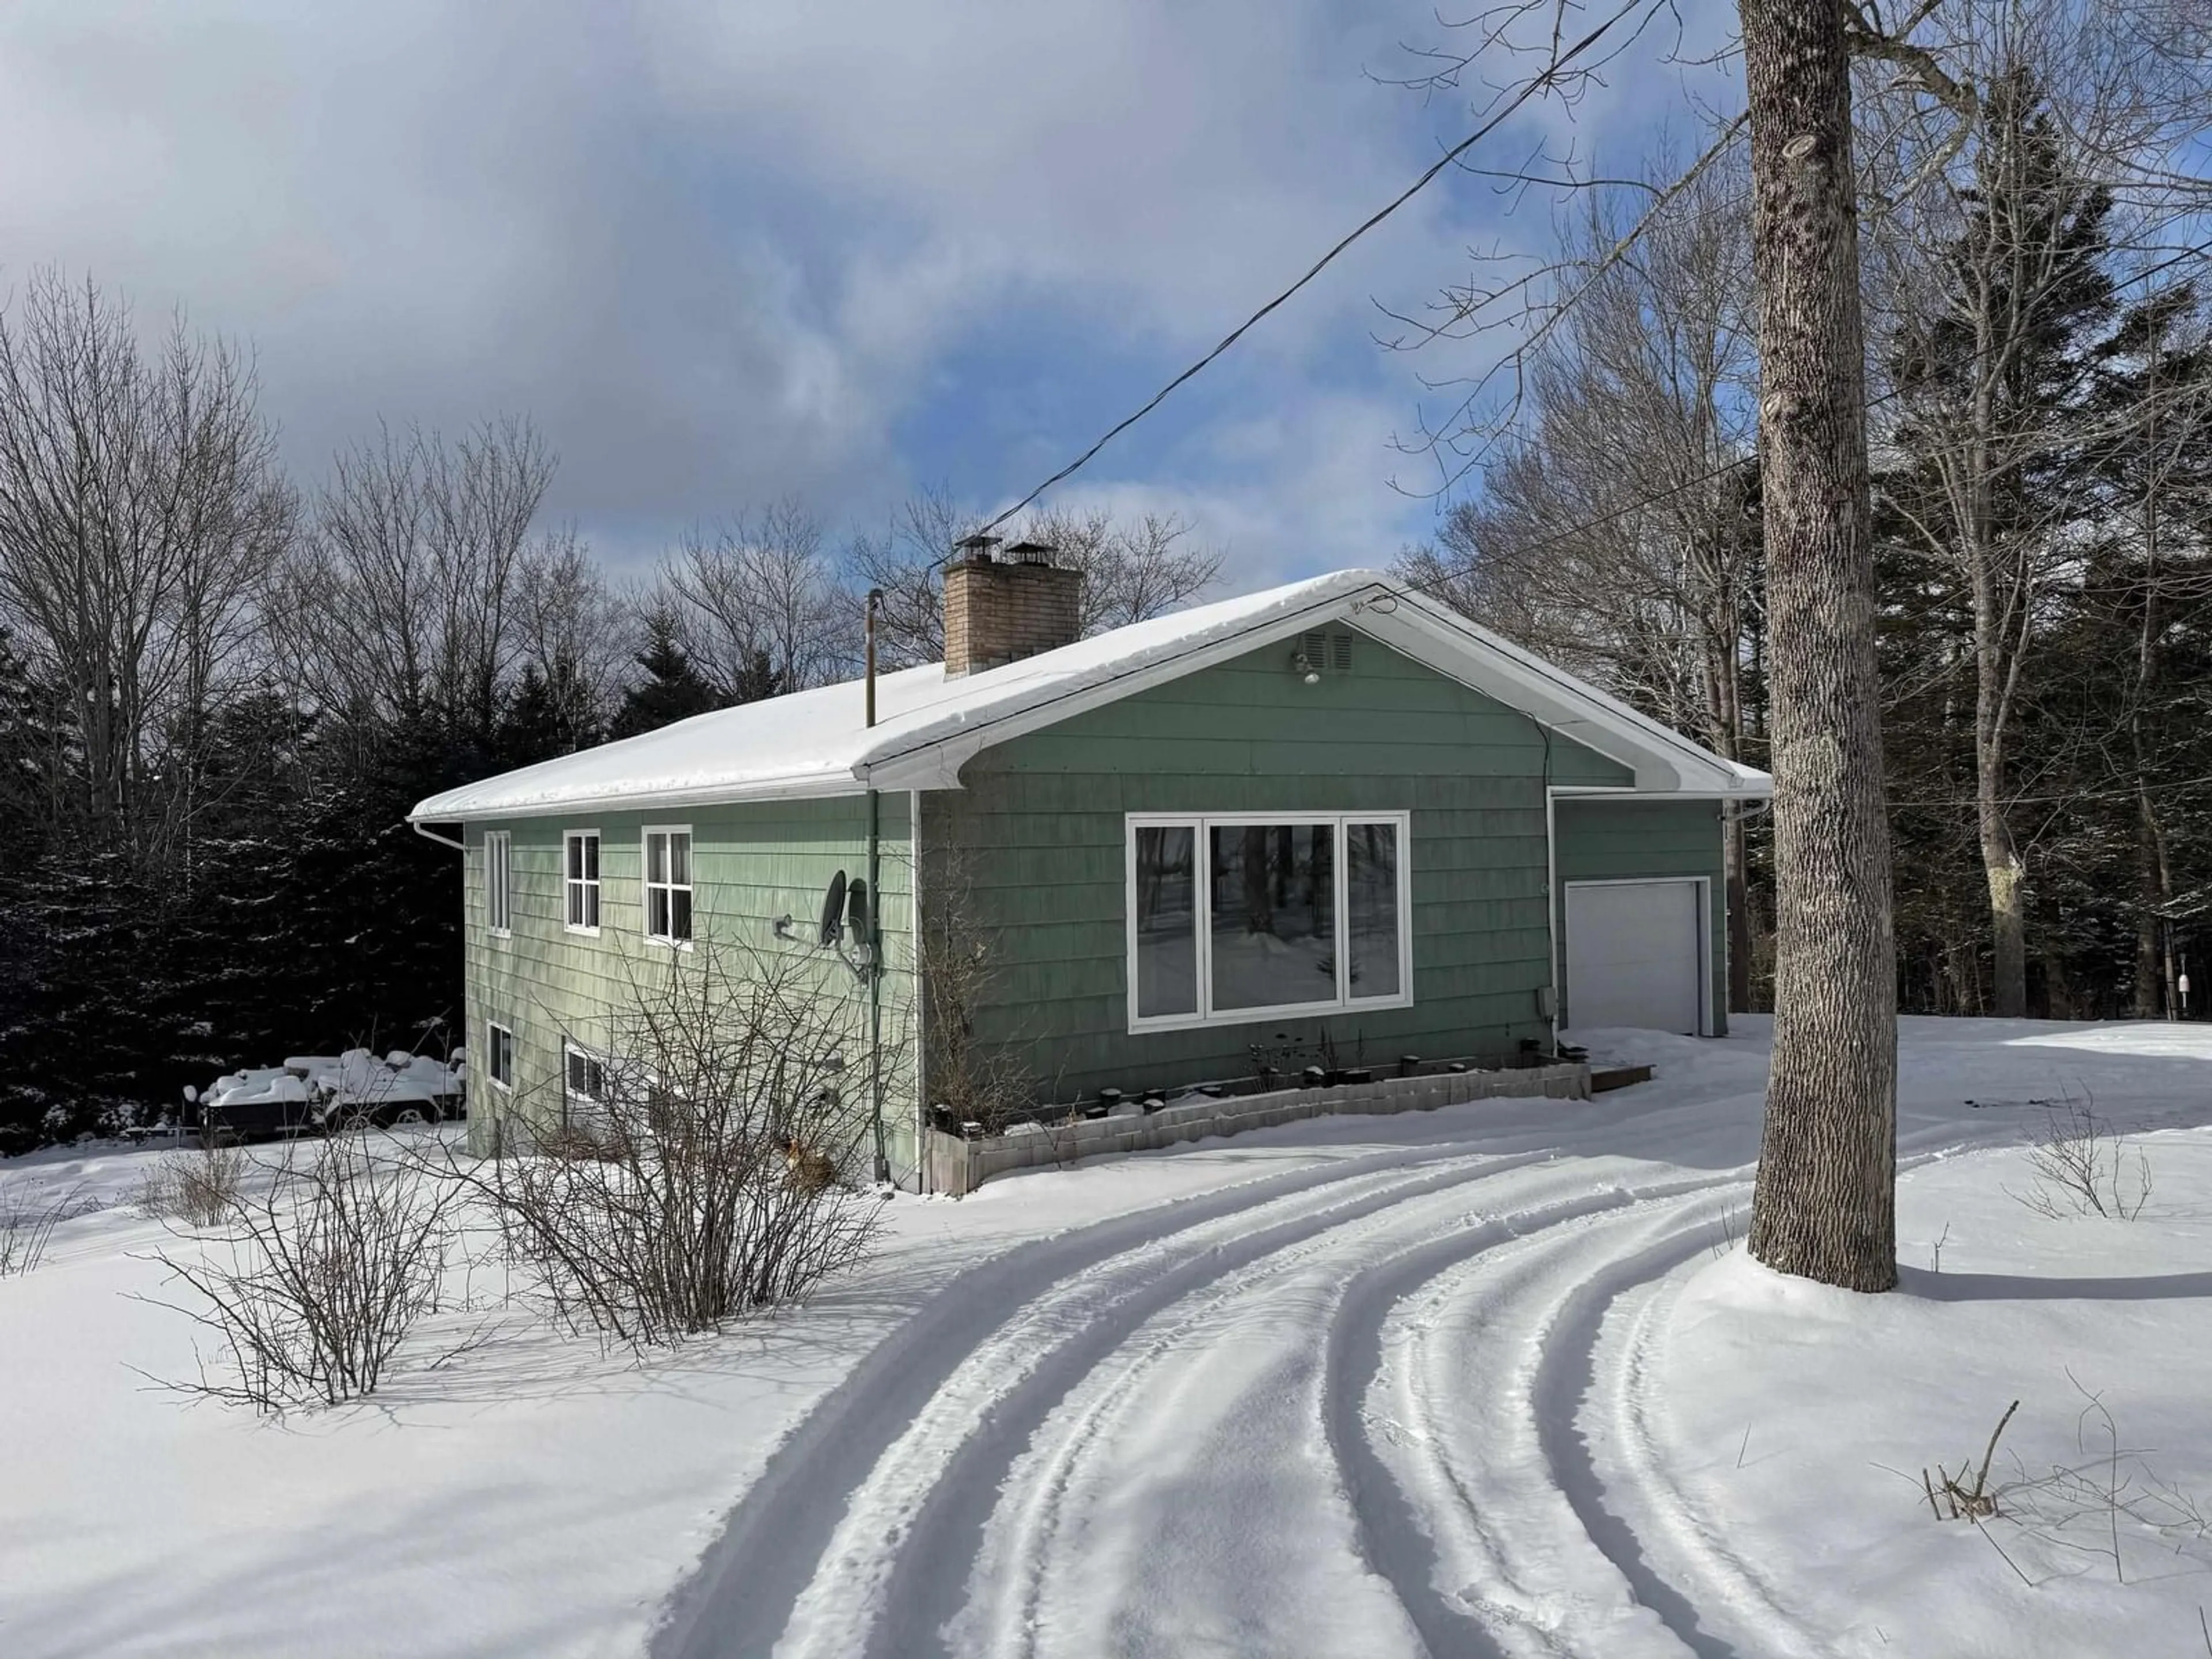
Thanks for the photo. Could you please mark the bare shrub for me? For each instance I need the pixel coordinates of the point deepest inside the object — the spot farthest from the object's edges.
(1968, 1503)
(26, 1226)
(198, 1186)
(317, 1282)
(2088, 1508)
(976, 1079)
(713, 1175)
(2083, 1166)
(2091, 1506)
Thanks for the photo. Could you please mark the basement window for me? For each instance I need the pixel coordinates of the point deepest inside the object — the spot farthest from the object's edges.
(498, 1055)
(1245, 916)
(586, 1077)
(668, 885)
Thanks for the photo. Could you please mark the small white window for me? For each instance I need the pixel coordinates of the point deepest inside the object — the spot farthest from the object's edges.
(499, 1057)
(586, 1076)
(499, 869)
(579, 861)
(1243, 916)
(668, 885)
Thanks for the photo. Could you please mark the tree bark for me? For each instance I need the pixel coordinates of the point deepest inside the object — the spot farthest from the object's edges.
(1824, 1205)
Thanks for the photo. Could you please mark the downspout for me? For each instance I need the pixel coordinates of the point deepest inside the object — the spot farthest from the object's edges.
(875, 940)
(458, 846)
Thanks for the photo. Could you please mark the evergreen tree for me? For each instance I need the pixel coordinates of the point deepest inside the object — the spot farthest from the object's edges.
(548, 715)
(674, 688)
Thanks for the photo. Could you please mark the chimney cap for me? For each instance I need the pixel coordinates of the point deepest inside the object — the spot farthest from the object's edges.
(977, 546)
(1030, 552)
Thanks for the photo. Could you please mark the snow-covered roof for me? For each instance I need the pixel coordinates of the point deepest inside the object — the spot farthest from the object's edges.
(927, 725)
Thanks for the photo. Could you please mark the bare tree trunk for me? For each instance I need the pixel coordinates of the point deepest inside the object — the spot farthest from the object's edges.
(2002, 868)
(1825, 1205)
(1736, 879)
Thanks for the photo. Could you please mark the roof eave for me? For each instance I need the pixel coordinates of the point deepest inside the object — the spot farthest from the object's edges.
(788, 787)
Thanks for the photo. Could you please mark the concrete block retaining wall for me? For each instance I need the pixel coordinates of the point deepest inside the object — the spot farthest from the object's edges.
(957, 1166)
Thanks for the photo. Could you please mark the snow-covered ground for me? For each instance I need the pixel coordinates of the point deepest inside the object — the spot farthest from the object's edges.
(1491, 1380)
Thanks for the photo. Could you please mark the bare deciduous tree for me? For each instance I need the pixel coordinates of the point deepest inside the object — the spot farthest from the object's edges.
(1617, 536)
(759, 608)
(401, 605)
(569, 626)
(140, 507)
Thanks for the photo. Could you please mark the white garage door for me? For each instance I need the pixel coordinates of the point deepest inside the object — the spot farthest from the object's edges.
(1633, 956)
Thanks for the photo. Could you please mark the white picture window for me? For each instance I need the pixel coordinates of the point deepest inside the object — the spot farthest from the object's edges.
(580, 864)
(499, 874)
(498, 1055)
(1244, 916)
(668, 885)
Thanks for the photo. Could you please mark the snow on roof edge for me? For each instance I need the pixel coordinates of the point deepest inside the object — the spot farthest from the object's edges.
(815, 742)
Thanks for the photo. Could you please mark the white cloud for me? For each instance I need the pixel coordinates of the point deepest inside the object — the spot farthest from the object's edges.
(719, 249)
(1300, 490)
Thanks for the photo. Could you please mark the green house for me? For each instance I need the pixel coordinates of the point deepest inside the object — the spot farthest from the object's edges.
(1332, 819)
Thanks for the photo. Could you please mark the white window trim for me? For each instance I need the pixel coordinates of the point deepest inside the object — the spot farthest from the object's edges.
(645, 884)
(504, 1085)
(598, 883)
(503, 840)
(567, 1094)
(1202, 824)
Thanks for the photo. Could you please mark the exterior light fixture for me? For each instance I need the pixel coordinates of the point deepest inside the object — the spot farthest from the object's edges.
(1302, 666)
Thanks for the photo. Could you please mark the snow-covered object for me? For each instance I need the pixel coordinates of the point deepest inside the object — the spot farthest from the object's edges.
(357, 1078)
(263, 1091)
(928, 725)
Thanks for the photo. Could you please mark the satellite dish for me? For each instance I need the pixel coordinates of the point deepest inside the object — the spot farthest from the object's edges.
(833, 909)
(856, 910)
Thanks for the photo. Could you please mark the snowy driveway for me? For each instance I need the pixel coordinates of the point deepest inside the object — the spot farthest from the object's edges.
(1394, 1404)
(1488, 1380)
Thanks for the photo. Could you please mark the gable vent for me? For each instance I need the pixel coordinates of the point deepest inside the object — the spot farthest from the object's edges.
(1328, 649)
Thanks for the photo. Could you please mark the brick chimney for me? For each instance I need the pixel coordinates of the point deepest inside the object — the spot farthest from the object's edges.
(998, 610)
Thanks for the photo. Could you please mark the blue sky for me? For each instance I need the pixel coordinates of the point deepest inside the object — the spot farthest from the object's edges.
(731, 252)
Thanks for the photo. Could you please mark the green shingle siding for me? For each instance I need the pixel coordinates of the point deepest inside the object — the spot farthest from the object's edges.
(1622, 840)
(1040, 837)
(752, 864)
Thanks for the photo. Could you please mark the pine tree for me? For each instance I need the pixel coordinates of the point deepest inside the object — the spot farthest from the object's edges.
(548, 716)
(673, 689)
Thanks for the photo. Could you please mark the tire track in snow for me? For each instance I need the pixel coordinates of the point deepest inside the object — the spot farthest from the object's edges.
(741, 1596)
(1020, 1532)
(830, 1520)
(936, 1499)
(1391, 1534)
(1672, 1545)
(1723, 1585)
(1565, 1376)
(1016, 1549)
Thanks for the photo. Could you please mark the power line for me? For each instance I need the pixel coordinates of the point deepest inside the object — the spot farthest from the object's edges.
(1549, 76)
